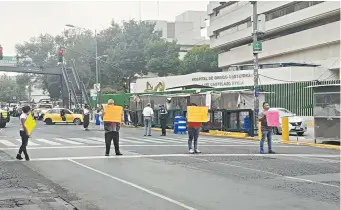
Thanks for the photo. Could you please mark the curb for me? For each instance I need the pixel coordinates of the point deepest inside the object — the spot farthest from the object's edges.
(323, 146)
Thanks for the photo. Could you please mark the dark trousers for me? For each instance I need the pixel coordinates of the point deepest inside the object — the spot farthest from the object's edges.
(112, 136)
(24, 142)
(163, 126)
(193, 134)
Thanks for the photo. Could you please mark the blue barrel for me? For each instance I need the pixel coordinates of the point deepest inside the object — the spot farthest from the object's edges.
(246, 123)
(182, 125)
(176, 123)
(97, 119)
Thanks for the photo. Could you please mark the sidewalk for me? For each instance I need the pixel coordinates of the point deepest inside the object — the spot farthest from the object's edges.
(21, 188)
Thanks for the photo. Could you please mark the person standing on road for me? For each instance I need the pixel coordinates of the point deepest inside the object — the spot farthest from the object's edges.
(266, 130)
(193, 134)
(148, 115)
(111, 133)
(23, 133)
(163, 118)
(86, 117)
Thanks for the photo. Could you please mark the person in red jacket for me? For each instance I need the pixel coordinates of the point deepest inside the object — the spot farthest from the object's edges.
(193, 134)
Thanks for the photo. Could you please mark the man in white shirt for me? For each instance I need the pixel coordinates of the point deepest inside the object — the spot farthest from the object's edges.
(148, 115)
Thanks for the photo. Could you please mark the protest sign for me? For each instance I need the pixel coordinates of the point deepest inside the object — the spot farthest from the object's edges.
(197, 113)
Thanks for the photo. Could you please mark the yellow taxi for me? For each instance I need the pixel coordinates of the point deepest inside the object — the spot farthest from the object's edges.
(53, 116)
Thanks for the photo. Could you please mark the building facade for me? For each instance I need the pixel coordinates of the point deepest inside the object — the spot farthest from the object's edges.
(186, 30)
(300, 31)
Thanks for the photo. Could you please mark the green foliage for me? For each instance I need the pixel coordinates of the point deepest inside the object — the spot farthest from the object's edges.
(200, 59)
(7, 88)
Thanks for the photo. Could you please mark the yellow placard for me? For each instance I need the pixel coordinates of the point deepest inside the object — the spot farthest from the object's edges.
(112, 113)
(197, 113)
(30, 124)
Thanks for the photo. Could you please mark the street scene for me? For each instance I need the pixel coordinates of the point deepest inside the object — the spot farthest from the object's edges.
(158, 173)
(163, 105)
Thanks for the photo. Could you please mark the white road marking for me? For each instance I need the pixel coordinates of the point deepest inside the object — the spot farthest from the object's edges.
(268, 172)
(177, 155)
(68, 141)
(30, 143)
(135, 186)
(48, 142)
(86, 141)
(145, 145)
(98, 139)
(146, 140)
(124, 140)
(8, 143)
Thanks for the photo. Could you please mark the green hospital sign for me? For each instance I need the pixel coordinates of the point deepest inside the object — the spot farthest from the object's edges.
(8, 61)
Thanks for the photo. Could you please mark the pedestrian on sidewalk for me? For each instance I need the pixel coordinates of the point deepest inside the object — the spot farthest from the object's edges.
(148, 116)
(111, 133)
(23, 133)
(163, 118)
(193, 134)
(86, 117)
(266, 130)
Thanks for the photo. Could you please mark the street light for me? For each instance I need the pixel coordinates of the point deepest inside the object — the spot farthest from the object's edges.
(96, 55)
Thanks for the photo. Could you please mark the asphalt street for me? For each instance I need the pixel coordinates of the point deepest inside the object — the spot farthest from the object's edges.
(157, 173)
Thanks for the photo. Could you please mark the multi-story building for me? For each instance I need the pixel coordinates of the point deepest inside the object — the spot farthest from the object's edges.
(186, 30)
(295, 31)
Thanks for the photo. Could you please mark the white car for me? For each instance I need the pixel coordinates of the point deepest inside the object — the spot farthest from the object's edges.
(296, 124)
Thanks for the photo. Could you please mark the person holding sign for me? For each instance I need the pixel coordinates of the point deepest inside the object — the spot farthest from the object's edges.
(266, 129)
(24, 133)
(195, 116)
(112, 117)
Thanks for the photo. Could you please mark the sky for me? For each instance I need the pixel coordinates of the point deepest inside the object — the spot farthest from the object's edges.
(20, 20)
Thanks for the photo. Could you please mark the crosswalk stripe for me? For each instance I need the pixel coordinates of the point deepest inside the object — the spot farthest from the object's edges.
(171, 140)
(48, 142)
(146, 140)
(124, 140)
(30, 143)
(8, 143)
(97, 139)
(67, 141)
(87, 141)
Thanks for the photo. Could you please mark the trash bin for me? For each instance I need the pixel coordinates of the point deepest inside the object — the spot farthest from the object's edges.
(176, 123)
(97, 119)
(182, 125)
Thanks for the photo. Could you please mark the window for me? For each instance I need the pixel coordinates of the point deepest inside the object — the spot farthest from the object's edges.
(45, 106)
(52, 111)
(294, 7)
(327, 104)
(67, 111)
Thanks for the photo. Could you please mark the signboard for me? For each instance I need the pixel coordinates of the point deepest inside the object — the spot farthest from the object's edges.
(94, 98)
(197, 113)
(112, 113)
(9, 61)
(97, 87)
(30, 124)
(93, 93)
(257, 47)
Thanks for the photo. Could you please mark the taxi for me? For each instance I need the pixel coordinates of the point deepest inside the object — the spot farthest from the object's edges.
(53, 116)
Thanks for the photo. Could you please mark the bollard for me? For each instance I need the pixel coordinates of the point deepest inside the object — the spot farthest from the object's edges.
(259, 130)
(285, 129)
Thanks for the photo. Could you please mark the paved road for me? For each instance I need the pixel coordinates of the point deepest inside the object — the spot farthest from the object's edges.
(158, 173)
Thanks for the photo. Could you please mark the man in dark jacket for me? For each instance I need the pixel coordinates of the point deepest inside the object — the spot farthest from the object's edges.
(163, 119)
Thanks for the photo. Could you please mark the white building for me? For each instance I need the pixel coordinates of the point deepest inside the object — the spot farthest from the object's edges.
(300, 32)
(186, 30)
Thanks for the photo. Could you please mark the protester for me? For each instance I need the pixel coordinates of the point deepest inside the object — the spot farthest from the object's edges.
(23, 133)
(111, 133)
(148, 115)
(163, 118)
(193, 134)
(266, 130)
(86, 117)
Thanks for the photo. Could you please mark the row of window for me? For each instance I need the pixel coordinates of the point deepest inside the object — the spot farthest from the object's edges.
(270, 15)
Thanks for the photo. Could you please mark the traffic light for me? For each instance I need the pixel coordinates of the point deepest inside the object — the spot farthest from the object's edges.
(1, 53)
(60, 55)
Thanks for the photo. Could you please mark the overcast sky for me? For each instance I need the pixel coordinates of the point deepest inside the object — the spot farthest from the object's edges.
(21, 20)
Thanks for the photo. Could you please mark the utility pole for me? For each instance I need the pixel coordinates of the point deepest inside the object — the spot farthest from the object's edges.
(255, 62)
(97, 72)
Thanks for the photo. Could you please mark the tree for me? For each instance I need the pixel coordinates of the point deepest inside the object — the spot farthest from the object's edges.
(200, 59)
(7, 88)
(163, 57)
(22, 81)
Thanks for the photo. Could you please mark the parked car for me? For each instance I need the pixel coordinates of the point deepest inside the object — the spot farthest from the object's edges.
(52, 116)
(296, 124)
